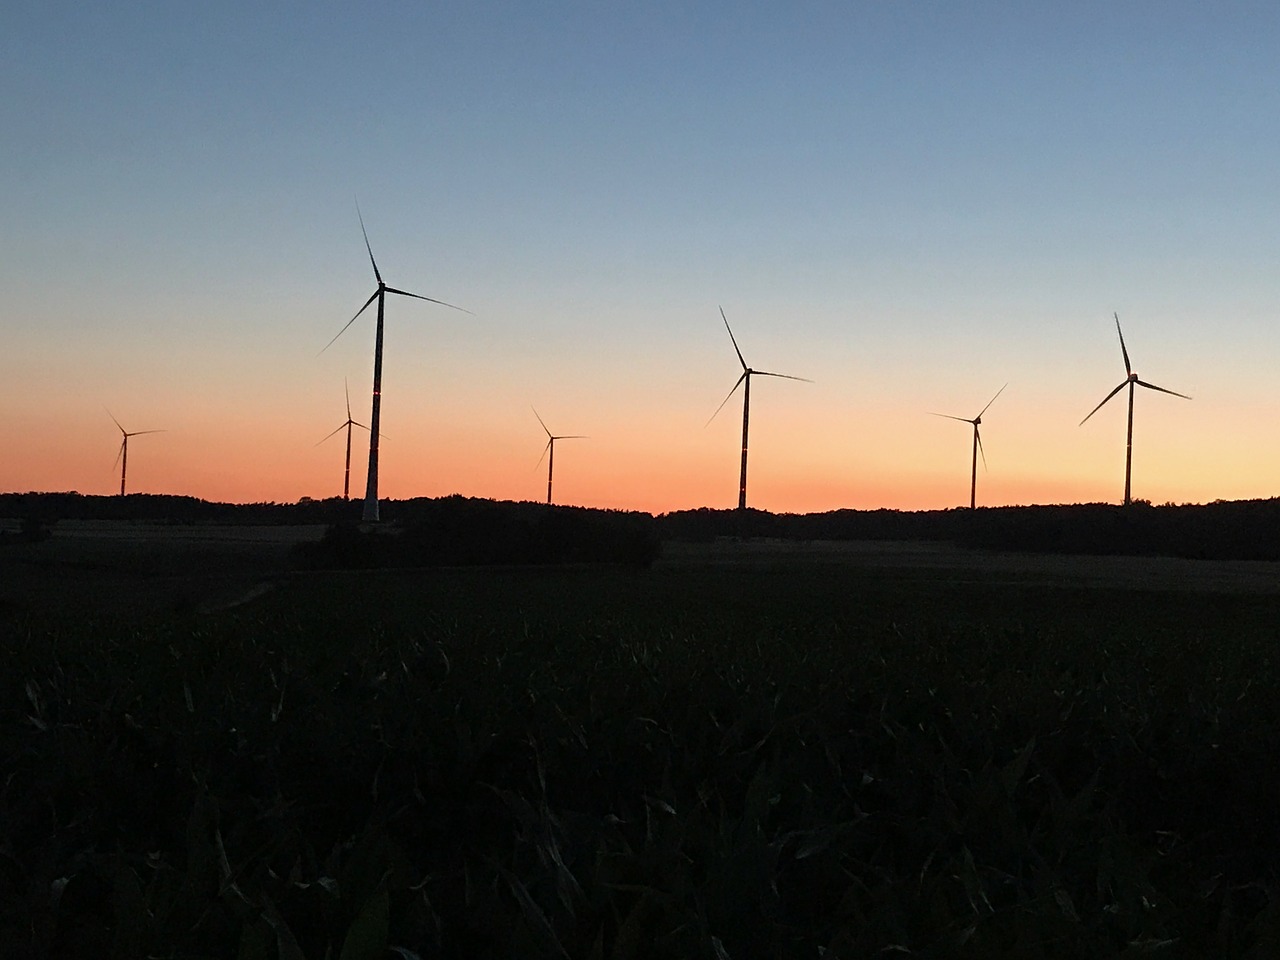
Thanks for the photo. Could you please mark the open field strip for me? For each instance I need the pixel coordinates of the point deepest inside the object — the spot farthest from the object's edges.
(851, 751)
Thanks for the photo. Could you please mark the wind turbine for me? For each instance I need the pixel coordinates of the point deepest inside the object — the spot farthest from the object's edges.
(1131, 380)
(745, 380)
(551, 449)
(977, 446)
(371, 484)
(122, 457)
(346, 477)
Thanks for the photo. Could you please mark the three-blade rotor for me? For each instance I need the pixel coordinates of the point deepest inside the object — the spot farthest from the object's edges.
(553, 437)
(974, 420)
(1130, 378)
(124, 437)
(977, 434)
(349, 422)
(129, 433)
(383, 289)
(746, 370)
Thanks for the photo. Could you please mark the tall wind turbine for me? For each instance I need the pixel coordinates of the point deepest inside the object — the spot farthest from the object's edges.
(977, 446)
(745, 381)
(550, 448)
(380, 294)
(1131, 380)
(122, 457)
(346, 477)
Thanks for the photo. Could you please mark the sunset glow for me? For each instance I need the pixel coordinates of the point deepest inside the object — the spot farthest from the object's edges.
(907, 204)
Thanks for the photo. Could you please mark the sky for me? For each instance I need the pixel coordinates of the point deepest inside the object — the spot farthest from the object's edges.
(909, 203)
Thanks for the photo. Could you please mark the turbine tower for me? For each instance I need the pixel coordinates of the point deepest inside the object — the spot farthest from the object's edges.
(745, 381)
(380, 294)
(1131, 380)
(977, 446)
(346, 477)
(122, 457)
(550, 448)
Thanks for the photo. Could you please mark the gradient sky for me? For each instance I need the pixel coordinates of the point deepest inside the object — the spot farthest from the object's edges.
(910, 203)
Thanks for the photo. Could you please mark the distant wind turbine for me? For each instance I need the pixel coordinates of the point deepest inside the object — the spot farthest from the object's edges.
(550, 448)
(977, 446)
(1131, 380)
(371, 484)
(346, 477)
(745, 381)
(122, 457)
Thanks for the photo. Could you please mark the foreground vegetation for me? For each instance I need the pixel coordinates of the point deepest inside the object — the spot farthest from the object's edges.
(693, 761)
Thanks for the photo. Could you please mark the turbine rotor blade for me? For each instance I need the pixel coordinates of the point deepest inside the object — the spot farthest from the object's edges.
(346, 388)
(138, 433)
(406, 293)
(977, 435)
(328, 435)
(726, 399)
(366, 244)
(544, 453)
(119, 454)
(1127, 369)
(544, 426)
(949, 417)
(114, 420)
(733, 338)
(1152, 386)
(784, 376)
(350, 322)
(1123, 384)
(990, 402)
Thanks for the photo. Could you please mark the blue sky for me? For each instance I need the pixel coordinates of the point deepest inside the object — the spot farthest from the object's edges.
(910, 203)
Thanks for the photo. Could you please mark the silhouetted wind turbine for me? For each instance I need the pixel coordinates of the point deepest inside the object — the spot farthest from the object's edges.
(371, 484)
(551, 449)
(346, 477)
(977, 446)
(1130, 380)
(122, 457)
(745, 380)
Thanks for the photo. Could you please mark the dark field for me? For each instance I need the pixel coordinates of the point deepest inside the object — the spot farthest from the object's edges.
(749, 750)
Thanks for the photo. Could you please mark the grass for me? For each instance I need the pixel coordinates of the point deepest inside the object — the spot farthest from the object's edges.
(773, 760)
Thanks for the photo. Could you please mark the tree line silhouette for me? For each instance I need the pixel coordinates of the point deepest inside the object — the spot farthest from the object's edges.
(1223, 530)
(460, 529)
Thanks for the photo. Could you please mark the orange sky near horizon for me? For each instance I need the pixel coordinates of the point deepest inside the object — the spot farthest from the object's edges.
(908, 205)
(899, 459)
